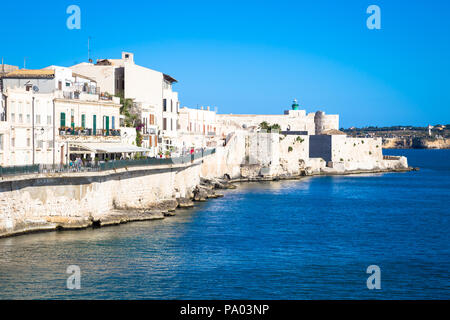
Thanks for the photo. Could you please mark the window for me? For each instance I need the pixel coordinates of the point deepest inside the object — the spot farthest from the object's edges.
(94, 124)
(28, 118)
(20, 118)
(40, 144)
(59, 85)
(113, 123)
(13, 142)
(171, 106)
(83, 121)
(50, 144)
(171, 124)
(38, 119)
(1, 142)
(28, 142)
(164, 104)
(106, 124)
(13, 117)
(49, 120)
(62, 122)
(164, 124)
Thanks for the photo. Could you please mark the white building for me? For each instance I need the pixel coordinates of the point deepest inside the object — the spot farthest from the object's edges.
(197, 128)
(155, 101)
(52, 114)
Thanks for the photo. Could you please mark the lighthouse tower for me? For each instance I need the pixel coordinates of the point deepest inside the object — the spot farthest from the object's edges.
(295, 105)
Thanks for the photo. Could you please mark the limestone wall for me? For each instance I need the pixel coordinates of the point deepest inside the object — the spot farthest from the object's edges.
(293, 153)
(361, 154)
(227, 159)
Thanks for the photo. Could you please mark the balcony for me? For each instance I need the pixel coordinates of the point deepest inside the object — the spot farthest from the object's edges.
(89, 95)
(77, 131)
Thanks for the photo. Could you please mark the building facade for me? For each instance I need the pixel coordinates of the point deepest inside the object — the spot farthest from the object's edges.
(155, 103)
(47, 110)
(197, 127)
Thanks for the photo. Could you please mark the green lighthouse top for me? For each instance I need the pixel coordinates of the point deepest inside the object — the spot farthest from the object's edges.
(295, 105)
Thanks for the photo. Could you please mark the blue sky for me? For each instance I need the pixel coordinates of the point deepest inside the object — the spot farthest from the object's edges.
(256, 56)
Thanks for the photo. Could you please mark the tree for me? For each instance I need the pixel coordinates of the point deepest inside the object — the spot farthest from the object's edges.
(131, 118)
(264, 126)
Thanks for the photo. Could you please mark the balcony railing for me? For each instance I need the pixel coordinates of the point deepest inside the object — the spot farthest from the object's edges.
(101, 166)
(67, 131)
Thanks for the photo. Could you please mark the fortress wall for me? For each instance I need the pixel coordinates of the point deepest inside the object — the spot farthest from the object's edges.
(362, 154)
(286, 122)
(291, 162)
(293, 120)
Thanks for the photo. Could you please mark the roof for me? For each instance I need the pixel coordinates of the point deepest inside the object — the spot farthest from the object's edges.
(5, 68)
(103, 62)
(105, 147)
(169, 78)
(28, 73)
(110, 62)
(333, 132)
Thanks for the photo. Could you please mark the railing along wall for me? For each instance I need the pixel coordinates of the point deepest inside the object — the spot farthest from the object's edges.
(103, 166)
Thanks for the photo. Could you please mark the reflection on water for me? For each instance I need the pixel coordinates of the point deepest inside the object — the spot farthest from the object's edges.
(312, 238)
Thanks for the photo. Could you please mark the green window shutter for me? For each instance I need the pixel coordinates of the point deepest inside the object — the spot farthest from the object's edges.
(63, 120)
(94, 126)
(107, 126)
(83, 121)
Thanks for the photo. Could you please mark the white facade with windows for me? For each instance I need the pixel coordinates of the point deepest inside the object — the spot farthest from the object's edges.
(197, 127)
(46, 110)
(155, 101)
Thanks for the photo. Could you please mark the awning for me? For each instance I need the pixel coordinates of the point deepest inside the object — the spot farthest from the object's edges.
(105, 147)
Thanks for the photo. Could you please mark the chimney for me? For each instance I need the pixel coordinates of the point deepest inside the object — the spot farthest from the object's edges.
(128, 56)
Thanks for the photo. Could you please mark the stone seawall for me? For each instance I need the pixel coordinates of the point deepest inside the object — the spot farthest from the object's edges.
(77, 200)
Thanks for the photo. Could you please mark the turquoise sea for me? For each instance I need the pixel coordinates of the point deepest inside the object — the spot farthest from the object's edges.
(307, 239)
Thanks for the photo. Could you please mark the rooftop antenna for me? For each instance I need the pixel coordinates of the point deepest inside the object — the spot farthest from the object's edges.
(89, 50)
